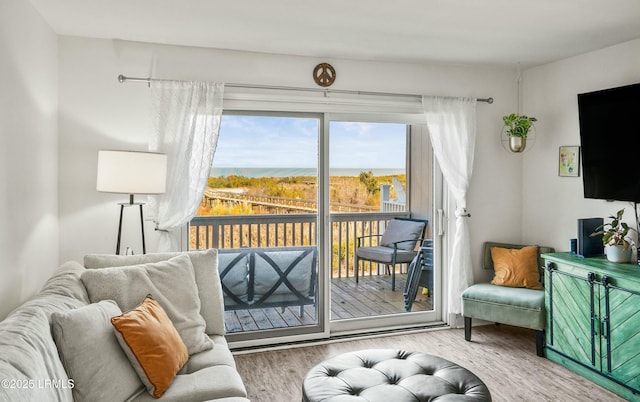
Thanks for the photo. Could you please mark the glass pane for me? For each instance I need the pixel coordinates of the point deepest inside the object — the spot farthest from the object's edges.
(260, 211)
(368, 189)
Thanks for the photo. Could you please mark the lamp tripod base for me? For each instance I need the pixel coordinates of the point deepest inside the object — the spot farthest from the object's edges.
(130, 204)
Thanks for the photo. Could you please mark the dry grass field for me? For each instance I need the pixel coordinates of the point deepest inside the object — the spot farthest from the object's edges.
(350, 190)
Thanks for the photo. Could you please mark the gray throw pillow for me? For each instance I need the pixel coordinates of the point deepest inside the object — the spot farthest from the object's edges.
(91, 354)
(205, 268)
(171, 283)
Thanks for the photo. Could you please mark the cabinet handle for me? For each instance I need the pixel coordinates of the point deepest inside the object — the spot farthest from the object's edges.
(605, 327)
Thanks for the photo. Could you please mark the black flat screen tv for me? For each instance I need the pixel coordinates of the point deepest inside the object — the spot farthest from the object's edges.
(610, 143)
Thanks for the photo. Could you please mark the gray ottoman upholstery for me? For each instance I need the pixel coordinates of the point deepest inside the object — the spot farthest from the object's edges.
(384, 375)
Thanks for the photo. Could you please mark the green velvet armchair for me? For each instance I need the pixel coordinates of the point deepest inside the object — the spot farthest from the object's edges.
(520, 307)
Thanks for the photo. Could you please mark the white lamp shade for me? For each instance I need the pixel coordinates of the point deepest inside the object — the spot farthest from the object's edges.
(130, 172)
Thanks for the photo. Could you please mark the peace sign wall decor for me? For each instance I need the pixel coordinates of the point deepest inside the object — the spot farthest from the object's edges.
(324, 74)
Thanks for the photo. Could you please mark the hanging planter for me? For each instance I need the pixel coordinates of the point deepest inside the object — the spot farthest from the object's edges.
(516, 129)
(517, 144)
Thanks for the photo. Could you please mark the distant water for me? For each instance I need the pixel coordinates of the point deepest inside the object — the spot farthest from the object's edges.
(291, 172)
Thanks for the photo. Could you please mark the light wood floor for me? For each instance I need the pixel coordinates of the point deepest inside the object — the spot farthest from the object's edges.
(502, 356)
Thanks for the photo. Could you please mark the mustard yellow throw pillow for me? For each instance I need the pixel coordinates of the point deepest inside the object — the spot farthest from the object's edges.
(516, 268)
(152, 344)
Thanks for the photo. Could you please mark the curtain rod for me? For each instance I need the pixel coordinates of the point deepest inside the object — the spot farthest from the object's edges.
(122, 79)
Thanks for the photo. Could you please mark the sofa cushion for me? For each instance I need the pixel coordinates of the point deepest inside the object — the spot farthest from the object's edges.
(88, 349)
(170, 282)
(205, 268)
(218, 355)
(152, 345)
(516, 268)
(27, 349)
(210, 383)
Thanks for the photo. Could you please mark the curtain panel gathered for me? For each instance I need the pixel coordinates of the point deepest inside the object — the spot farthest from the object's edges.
(187, 122)
(452, 126)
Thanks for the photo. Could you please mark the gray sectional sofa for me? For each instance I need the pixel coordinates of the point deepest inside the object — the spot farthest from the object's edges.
(48, 336)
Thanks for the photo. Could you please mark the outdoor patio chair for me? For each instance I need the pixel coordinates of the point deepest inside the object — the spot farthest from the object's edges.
(397, 245)
(419, 273)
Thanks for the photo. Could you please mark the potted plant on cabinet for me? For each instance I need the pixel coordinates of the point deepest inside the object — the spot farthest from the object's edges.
(517, 128)
(617, 244)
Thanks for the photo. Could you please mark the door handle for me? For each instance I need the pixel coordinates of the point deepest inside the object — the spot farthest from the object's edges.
(440, 218)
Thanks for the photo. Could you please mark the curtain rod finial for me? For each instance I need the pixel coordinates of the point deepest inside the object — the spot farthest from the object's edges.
(490, 101)
(121, 78)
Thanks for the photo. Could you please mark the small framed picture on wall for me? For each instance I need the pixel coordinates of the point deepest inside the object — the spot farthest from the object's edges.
(569, 161)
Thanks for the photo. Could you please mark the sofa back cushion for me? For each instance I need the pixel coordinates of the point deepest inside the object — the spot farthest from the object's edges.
(205, 268)
(27, 350)
(170, 282)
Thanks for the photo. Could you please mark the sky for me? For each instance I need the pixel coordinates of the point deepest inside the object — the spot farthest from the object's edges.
(258, 141)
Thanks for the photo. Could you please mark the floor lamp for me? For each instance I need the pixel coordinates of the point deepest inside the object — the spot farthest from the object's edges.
(131, 172)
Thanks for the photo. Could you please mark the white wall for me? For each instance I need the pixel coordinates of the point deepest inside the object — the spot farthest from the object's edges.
(97, 112)
(552, 204)
(512, 198)
(28, 153)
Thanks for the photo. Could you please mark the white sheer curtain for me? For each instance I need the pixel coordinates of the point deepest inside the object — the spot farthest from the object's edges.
(187, 116)
(452, 127)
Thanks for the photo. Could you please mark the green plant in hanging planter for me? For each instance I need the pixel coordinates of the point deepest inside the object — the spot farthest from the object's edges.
(518, 125)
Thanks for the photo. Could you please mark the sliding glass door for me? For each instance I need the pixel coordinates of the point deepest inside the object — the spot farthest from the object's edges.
(290, 199)
(370, 190)
(260, 211)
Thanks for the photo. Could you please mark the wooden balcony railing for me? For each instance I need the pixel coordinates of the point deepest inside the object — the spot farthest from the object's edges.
(293, 230)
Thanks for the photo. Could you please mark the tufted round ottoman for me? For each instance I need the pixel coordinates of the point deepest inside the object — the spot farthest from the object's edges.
(388, 375)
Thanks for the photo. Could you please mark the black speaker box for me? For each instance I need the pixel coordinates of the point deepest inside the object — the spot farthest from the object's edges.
(589, 246)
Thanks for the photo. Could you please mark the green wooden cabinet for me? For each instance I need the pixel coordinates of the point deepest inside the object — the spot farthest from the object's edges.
(593, 320)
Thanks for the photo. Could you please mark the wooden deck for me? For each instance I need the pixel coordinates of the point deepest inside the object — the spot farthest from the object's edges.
(372, 296)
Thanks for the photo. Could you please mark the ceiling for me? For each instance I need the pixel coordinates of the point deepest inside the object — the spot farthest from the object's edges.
(495, 32)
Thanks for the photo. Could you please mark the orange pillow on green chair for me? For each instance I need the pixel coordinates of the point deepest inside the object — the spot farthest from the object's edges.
(517, 268)
(152, 344)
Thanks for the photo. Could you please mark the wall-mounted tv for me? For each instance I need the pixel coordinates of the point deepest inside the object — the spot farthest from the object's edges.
(610, 143)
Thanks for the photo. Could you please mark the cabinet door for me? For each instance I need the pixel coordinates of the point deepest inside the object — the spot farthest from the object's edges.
(620, 341)
(570, 300)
